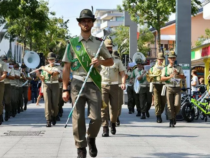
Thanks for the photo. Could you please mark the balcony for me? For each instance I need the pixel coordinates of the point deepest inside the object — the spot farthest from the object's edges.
(111, 24)
(206, 11)
(109, 16)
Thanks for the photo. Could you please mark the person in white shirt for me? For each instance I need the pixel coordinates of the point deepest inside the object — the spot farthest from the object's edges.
(194, 82)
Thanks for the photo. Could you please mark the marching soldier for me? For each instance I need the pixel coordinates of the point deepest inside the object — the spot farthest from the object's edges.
(49, 77)
(3, 74)
(130, 91)
(159, 101)
(110, 91)
(136, 72)
(7, 90)
(18, 89)
(171, 75)
(145, 96)
(25, 86)
(79, 55)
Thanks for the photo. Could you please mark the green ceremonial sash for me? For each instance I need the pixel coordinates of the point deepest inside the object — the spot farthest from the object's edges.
(85, 60)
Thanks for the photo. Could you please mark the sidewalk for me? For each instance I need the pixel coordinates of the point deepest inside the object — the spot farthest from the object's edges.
(134, 139)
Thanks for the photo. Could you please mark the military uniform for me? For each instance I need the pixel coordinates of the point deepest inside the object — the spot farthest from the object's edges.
(61, 102)
(18, 89)
(159, 101)
(136, 72)
(130, 92)
(173, 91)
(7, 92)
(110, 94)
(51, 91)
(3, 69)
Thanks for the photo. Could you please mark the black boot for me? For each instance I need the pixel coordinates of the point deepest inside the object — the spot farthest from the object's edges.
(105, 131)
(171, 123)
(138, 114)
(130, 111)
(25, 107)
(82, 152)
(54, 121)
(113, 128)
(174, 121)
(92, 147)
(159, 119)
(147, 114)
(1, 119)
(48, 124)
(118, 122)
(143, 116)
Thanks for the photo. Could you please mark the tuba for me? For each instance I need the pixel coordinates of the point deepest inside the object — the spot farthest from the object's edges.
(137, 55)
(31, 59)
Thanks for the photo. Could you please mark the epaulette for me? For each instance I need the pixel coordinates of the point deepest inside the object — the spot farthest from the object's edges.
(99, 39)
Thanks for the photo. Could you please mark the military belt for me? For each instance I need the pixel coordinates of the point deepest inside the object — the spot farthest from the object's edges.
(82, 78)
(109, 83)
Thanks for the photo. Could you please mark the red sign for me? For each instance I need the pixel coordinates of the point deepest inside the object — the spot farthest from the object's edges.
(205, 51)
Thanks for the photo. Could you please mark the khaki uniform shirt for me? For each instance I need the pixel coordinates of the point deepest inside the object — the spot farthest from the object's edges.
(3, 68)
(112, 73)
(169, 72)
(23, 81)
(129, 80)
(17, 81)
(47, 76)
(91, 45)
(10, 73)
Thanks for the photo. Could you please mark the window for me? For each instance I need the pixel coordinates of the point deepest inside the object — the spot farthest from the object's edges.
(120, 19)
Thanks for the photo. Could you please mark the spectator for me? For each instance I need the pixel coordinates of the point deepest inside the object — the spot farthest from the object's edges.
(202, 88)
(194, 83)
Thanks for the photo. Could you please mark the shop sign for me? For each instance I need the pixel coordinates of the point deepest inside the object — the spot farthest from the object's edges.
(205, 51)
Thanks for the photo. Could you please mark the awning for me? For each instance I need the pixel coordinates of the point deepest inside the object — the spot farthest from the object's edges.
(198, 62)
(168, 37)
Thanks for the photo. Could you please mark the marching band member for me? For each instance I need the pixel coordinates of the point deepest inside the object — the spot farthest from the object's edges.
(145, 95)
(130, 91)
(159, 101)
(7, 90)
(77, 56)
(18, 89)
(172, 74)
(3, 74)
(49, 77)
(110, 91)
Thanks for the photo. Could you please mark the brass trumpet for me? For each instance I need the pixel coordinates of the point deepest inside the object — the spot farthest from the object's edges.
(155, 75)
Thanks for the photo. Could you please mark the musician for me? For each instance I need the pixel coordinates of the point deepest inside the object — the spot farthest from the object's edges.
(18, 88)
(145, 96)
(7, 89)
(110, 91)
(76, 57)
(136, 72)
(49, 76)
(13, 83)
(130, 91)
(3, 74)
(25, 78)
(159, 101)
(172, 74)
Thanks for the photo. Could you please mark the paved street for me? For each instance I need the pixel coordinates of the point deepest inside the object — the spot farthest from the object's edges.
(135, 138)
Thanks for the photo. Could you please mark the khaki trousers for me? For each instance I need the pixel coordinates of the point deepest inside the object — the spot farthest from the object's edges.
(7, 97)
(92, 96)
(51, 98)
(173, 96)
(110, 97)
(159, 101)
(1, 97)
(145, 99)
(131, 97)
(120, 102)
(13, 99)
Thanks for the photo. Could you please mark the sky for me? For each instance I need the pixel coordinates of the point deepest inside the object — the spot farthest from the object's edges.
(70, 9)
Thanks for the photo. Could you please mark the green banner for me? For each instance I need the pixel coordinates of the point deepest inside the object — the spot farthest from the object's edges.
(85, 60)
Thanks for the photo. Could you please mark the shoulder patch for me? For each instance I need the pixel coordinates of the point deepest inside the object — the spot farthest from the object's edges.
(99, 39)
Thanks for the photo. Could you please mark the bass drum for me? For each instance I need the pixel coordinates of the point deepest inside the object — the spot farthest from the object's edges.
(136, 85)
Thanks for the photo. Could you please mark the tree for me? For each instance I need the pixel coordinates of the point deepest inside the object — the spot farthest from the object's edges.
(154, 12)
(203, 38)
(121, 39)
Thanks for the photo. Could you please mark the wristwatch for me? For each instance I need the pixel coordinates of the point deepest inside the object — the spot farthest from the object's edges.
(65, 90)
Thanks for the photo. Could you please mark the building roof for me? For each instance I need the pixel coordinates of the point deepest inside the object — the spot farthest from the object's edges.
(174, 21)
